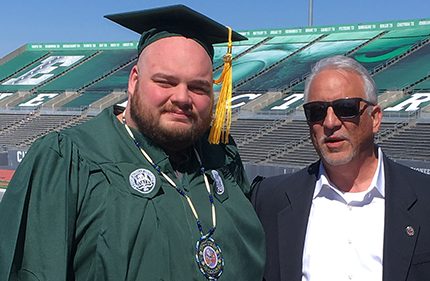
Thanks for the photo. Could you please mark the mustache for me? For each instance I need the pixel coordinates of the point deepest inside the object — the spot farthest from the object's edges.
(187, 110)
(332, 138)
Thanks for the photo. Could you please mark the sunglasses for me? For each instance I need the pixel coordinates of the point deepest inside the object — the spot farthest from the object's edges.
(343, 108)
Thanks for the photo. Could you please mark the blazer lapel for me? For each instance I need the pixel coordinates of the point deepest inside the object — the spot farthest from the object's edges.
(292, 223)
(401, 230)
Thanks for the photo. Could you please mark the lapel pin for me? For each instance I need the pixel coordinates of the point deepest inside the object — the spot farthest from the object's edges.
(410, 231)
(219, 184)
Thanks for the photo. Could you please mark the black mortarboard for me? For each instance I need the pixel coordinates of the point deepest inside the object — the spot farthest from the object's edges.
(177, 20)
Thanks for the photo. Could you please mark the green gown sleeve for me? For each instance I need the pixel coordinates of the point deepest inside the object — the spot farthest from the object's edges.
(39, 210)
(234, 164)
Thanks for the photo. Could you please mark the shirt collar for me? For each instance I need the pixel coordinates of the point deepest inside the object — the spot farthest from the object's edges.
(378, 180)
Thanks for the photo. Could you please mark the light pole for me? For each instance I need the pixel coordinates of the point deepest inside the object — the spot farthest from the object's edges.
(310, 12)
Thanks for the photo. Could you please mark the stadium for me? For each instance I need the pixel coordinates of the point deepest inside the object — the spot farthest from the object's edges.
(52, 86)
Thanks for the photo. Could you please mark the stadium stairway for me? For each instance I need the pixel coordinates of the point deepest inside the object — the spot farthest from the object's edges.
(256, 75)
(245, 52)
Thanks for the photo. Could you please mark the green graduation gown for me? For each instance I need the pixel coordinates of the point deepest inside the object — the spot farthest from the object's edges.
(71, 212)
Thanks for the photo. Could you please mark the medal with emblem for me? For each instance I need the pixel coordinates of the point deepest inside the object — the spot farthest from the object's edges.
(209, 258)
(142, 180)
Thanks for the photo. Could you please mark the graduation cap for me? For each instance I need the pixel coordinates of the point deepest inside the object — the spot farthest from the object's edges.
(179, 20)
(176, 20)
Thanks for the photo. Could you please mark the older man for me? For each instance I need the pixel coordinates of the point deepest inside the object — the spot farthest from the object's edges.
(140, 193)
(355, 214)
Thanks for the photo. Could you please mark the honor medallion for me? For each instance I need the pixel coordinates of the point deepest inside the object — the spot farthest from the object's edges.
(209, 258)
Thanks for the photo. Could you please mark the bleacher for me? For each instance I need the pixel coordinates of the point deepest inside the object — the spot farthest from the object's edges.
(9, 119)
(48, 80)
(290, 70)
(424, 84)
(245, 129)
(20, 63)
(116, 80)
(28, 129)
(411, 143)
(103, 63)
(396, 77)
(273, 140)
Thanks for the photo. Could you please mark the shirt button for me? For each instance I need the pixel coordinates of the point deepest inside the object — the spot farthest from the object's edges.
(349, 241)
(349, 207)
(350, 277)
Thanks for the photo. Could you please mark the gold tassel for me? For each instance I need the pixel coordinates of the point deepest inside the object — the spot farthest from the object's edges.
(222, 119)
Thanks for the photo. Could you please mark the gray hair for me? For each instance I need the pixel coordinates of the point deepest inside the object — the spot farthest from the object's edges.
(344, 63)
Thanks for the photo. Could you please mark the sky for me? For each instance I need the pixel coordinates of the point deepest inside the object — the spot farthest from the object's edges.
(72, 21)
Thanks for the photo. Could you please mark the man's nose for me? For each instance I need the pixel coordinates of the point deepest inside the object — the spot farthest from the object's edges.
(181, 95)
(331, 120)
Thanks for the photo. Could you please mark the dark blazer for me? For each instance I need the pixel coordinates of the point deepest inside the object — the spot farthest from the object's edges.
(283, 205)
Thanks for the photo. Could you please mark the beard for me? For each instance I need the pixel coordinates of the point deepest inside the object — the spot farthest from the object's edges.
(172, 138)
(337, 161)
(335, 157)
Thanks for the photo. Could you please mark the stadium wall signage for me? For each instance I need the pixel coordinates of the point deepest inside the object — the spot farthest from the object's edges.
(12, 160)
(338, 28)
(410, 103)
(82, 46)
(43, 71)
(416, 23)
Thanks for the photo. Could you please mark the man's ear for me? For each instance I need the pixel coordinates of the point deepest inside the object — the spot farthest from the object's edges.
(133, 80)
(376, 117)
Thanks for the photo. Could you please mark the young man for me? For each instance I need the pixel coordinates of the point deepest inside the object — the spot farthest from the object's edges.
(355, 214)
(140, 193)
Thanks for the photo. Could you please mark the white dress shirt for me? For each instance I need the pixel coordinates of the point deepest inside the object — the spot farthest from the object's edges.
(345, 232)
